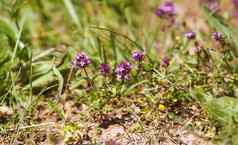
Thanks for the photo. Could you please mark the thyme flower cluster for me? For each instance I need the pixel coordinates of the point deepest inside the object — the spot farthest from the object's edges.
(166, 9)
(122, 70)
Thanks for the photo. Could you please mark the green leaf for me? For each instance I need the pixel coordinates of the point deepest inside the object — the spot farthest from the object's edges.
(60, 80)
(8, 28)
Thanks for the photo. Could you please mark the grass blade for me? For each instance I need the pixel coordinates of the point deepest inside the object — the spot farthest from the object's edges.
(69, 6)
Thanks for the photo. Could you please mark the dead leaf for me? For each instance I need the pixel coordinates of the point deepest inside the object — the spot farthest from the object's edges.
(111, 133)
(5, 112)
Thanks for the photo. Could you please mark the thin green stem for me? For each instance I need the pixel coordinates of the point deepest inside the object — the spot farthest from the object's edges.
(68, 79)
(89, 81)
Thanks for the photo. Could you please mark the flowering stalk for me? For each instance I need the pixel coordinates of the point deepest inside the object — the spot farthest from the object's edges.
(217, 36)
(123, 73)
(198, 49)
(123, 70)
(89, 81)
(138, 56)
(165, 62)
(119, 88)
(105, 71)
(81, 61)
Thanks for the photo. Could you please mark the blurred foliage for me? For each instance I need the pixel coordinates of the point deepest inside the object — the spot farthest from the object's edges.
(224, 112)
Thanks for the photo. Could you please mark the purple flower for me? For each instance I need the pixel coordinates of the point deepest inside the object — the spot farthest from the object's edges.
(81, 60)
(235, 14)
(165, 62)
(212, 5)
(190, 35)
(194, 50)
(105, 69)
(123, 70)
(235, 2)
(166, 9)
(138, 55)
(217, 36)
